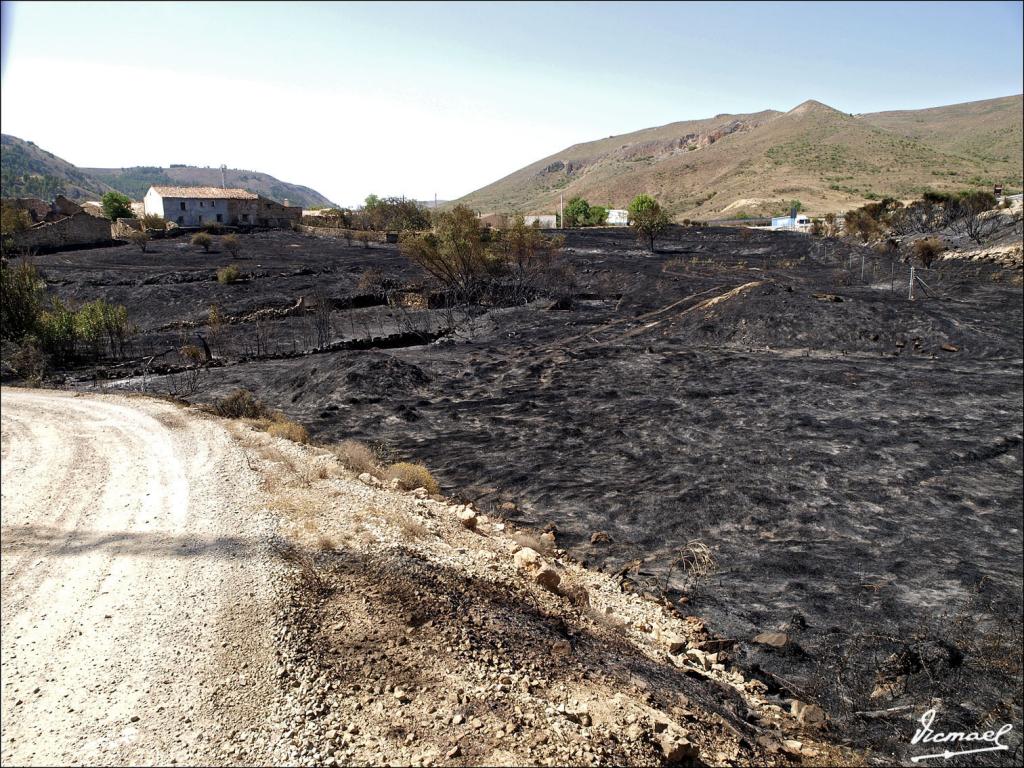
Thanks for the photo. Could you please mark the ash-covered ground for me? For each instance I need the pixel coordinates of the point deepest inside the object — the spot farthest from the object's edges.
(852, 458)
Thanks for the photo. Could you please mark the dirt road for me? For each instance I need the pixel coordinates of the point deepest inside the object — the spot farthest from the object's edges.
(136, 584)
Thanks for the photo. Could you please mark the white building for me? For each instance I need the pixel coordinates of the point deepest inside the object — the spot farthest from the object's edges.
(617, 217)
(544, 221)
(799, 222)
(196, 206)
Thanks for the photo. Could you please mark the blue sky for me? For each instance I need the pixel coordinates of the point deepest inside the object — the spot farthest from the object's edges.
(424, 98)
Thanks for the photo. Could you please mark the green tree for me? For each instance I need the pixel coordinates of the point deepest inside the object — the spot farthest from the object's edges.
(203, 240)
(577, 212)
(21, 299)
(454, 252)
(647, 218)
(117, 206)
(13, 219)
(598, 216)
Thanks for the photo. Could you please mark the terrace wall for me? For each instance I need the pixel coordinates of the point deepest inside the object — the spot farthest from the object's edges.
(75, 231)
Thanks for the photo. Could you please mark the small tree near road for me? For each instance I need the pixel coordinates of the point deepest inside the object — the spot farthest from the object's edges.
(647, 218)
(116, 206)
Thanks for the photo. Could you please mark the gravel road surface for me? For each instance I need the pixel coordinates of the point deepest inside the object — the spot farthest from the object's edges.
(136, 585)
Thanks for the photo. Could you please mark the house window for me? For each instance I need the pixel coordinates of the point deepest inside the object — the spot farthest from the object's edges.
(183, 205)
(220, 217)
(245, 217)
(181, 219)
(202, 204)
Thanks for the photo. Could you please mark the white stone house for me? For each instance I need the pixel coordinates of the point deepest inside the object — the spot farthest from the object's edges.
(196, 206)
(617, 217)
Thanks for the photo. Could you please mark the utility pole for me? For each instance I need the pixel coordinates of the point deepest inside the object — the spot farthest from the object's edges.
(223, 176)
(911, 296)
(561, 212)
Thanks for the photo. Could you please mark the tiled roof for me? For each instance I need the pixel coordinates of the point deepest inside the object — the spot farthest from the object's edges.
(210, 193)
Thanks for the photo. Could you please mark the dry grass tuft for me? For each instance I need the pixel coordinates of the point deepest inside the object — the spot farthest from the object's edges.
(306, 564)
(411, 476)
(241, 404)
(289, 430)
(355, 456)
(527, 539)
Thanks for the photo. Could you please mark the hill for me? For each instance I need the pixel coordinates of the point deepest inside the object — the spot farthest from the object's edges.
(135, 181)
(989, 131)
(752, 164)
(30, 171)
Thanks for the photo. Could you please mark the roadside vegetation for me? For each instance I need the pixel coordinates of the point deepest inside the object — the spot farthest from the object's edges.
(46, 331)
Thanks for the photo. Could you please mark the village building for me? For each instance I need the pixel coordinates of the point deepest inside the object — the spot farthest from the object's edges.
(617, 217)
(200, 206)
(544, 220)
(799, 222)
(58, 225)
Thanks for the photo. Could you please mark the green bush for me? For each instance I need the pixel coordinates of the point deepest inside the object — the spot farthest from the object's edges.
(116, 206)
(647, 218)
(412, 476)
(153, 221)
(231, 244)
(203, 240)
(577, 212)
(21, 299)
(57, 331)
(241, 404)
(229, 274)
(13, 220)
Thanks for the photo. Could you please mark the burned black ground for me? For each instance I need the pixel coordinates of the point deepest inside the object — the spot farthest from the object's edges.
(852, 457)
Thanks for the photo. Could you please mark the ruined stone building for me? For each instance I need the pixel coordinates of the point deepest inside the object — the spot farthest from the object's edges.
(57, 225)
(196, 206)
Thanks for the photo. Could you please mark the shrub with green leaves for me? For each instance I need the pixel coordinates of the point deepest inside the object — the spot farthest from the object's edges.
(203, 240)
(21, 299)
(241, 404)
(116, 206)
(647, 219)
(577, 212)
(153, 221)
(229, 274)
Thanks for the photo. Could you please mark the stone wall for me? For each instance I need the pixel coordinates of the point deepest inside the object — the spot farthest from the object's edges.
(376, 237)
(75, 231)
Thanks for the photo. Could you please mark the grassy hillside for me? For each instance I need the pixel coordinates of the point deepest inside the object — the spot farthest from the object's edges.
(753, 164)
(30, 171)
(988, 131)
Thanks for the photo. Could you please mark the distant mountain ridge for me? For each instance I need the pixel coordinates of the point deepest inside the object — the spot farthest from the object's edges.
(754, 164)
(30, 171)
